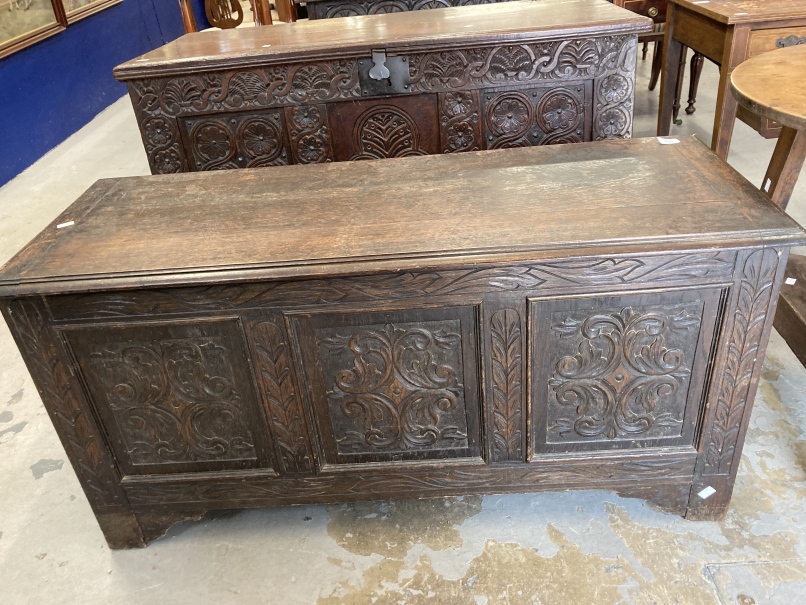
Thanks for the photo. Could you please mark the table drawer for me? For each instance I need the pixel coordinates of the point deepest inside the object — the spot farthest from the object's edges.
(763, 40)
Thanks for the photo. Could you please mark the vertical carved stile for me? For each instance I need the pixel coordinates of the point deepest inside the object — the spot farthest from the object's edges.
(752, 311)
(285, 407)
(73, 421)
(507, 384)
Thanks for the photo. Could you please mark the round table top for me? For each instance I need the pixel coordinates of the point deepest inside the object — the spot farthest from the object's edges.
(773, 85)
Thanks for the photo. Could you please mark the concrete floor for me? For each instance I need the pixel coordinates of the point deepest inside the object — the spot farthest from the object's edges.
(561, 548)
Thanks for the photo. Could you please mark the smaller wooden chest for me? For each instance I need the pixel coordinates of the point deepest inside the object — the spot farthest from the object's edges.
(390, 85)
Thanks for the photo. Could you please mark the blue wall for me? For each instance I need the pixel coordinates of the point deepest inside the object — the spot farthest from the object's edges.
(51, 89)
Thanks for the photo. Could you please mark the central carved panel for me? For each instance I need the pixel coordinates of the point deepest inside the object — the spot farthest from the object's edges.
(394, 386)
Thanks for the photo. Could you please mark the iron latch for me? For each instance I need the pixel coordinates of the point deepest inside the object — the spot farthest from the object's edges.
(384, 74)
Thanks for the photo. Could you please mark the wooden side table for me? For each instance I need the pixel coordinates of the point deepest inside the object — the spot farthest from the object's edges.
(727, 32)
(773, 86)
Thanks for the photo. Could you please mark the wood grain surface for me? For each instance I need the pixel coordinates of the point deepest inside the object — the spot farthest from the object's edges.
(773, 85)
(331, 218)
(326, 38)
(746, 11)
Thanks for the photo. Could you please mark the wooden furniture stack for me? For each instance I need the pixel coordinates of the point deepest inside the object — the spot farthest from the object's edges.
(727, 32)
(379, 86)
(548, 318)
(773, 86)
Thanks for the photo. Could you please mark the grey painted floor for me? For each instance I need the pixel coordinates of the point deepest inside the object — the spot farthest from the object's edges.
(563, 548)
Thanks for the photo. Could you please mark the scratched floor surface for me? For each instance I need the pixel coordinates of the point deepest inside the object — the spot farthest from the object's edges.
(563, 548)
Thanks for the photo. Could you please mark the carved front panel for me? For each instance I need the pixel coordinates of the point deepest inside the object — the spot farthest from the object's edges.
(621, 371)
(173, 398)
(186, 121)
(386, 128)
(537, 116)
(244, 140)
(395, 386)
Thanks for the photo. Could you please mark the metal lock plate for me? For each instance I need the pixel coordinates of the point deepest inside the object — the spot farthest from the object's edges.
(384, 74)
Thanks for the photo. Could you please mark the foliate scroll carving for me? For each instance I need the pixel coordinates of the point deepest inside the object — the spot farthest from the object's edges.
(627, 375)
(309, 133)
(570, 273)
(506, 349)
(395, 387)
(280, 85)
(459, 121)
(274, 366)
(386, 131)
(505, 65)
(752, 313)
(174, 400)
(615, 93)
(70, 415)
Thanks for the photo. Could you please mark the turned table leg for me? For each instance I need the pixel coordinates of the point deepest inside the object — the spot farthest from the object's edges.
(678, 89)
(656, 65)
(696, 69)
(670, 73)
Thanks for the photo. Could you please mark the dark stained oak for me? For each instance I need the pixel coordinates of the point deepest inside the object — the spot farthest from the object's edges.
(461, 79)
(543, 318)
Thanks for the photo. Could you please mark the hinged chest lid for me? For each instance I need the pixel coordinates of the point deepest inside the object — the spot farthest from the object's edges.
(437, 211)
(484, 25)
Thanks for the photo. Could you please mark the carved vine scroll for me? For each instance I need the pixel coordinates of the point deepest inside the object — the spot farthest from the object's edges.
(396, 387)
(752, 314)
(629, 375)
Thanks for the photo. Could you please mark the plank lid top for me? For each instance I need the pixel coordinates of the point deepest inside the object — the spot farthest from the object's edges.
(746, 11)
(518, 22)
(773, 85)
(387, 215)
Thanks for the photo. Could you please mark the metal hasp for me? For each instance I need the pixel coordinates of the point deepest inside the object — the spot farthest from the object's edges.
(383, 74)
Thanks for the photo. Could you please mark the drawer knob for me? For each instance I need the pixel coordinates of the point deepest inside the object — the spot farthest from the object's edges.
(653, 12)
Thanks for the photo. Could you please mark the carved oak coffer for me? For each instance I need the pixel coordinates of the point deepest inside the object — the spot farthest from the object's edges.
(330, 9)
(546, 318)
(462, 79)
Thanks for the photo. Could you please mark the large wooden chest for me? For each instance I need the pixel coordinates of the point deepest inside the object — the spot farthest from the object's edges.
(459, 79)
(574, 317)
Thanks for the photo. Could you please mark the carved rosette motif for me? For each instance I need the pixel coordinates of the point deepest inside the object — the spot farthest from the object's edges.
(386, 131)
(275, 370)
(571, 273)
(160, 103)
(614, 94)
(459, 121)
(396, 387)
(245, 140)
(752, 315)
(174, 400)
(70, 414)
(309, 132)
(506, 348)
(628, 377)
(541, 116)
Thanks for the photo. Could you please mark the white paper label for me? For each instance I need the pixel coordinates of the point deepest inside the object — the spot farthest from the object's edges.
(665, 141)
(707, 493)
(790, 281)
(67, 224)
